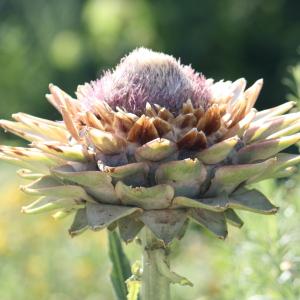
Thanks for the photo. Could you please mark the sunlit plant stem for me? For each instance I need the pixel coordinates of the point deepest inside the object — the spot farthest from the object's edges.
(154, 284)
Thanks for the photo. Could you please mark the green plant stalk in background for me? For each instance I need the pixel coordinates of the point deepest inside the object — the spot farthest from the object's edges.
(120, 266)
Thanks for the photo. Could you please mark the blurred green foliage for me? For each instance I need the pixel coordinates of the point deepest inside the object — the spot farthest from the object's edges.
(293, 83)
(72, 41)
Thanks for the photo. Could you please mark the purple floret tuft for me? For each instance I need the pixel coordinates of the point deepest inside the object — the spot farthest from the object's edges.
(147, 76)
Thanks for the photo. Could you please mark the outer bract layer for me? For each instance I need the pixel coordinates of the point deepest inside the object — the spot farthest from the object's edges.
(159, 165)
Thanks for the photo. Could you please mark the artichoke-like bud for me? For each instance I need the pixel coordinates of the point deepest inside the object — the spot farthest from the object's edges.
(153, 143)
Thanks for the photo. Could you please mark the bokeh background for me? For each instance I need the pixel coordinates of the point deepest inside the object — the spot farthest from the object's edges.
(72, 41)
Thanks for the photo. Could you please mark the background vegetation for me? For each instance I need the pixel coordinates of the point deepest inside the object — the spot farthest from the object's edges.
(72, 41)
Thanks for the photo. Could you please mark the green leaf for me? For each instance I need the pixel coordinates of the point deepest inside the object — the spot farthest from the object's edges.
(129, 228)
(252, 200)
(165, 224)
(217, 204)
(106, 142)
(156, 197)
(156, 150)
(51, 203)
(80, 223)
(50, 186)
(228, 178)
(218, 152)
(213, 221)
(265, 149)
(263, 130)
(185, 176)
(130, 174)
(232, 218)
(120, 266)
(96, 183)
(164, 268)
(283, 167)
(274, 111)
(67, 152)
(100, 216)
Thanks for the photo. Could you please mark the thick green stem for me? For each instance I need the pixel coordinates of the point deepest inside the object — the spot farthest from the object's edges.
(155, 286)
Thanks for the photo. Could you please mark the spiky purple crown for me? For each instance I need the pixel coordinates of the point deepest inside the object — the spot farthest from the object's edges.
(147, 76)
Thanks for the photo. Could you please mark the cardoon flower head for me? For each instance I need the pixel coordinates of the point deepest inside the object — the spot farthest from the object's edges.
(153, 143)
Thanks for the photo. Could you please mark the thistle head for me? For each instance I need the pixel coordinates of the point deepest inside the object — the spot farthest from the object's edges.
(147, 76)
(194, 156)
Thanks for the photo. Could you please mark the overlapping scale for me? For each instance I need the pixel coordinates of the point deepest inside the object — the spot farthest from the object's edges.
(155, 197)
(97, 184)
(185, 176)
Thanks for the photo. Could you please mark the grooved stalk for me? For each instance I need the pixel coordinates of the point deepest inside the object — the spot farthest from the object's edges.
(155, 286)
